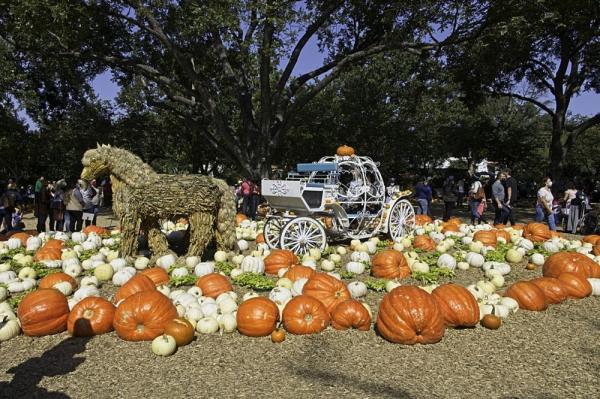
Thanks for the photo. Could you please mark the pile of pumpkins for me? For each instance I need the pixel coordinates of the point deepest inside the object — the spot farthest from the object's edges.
(309, 294)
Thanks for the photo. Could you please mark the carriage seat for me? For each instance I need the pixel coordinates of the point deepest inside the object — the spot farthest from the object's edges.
(317, 167)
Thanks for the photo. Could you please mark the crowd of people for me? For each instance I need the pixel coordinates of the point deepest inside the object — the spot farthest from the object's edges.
(62, 205)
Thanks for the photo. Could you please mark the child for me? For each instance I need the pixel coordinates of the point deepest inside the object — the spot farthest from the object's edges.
(16, 220)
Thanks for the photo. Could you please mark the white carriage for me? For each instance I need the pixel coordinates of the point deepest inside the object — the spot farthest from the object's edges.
(339, 197)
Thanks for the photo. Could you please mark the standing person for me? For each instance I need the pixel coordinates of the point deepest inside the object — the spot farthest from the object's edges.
(96, 194)
(57, 207)
(75, 206)
(575, 203)
(477, 201)
(391, 189)
(9, 202)
(88, 192)
(512, 194)
(543, 208)
(246, 196)
(423, 195)
(42, 207)
(501, 210)
(255, 199)
(460, 188)
(449, 197)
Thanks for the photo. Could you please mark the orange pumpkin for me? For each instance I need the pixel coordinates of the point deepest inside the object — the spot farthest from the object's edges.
(504, 234)
(593, 239)
(180, 329)
(568, 262)
(576, 285)
(43, 312)
(260, 238)
(327, 289)
(389, 264)
(305, 315)
(344, 151)
(351, 314)
(596, 249)
(239, 218)
(53, 243)
(91, 316)
(528, 295)
(101, 231)
(299, 271)
(48, 254)
(459, 307)
(137, 283)
(257, 317)
(421, 220)
(537, 232)
(143, 316)
(518, 226)
(279, 259)
(424, 243)
(158, 275)
(52, 279)
(554, 290)
(23, 237)
(213, 285)
(486, 237)
(450, 227)
(409, 315)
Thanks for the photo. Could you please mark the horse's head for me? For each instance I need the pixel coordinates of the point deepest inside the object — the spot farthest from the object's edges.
(95, 163)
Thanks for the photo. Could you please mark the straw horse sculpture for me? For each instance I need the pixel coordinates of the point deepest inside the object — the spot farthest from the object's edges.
(141, 197)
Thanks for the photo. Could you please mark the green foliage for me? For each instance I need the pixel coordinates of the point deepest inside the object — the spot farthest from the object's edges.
(255, 281)
(376, 284)
(189, 279)
(433, 275)
(346, 275)
(498, 254)
(15, 299)
(225, 267)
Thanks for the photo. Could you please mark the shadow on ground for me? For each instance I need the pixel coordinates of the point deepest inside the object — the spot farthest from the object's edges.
(56, 361)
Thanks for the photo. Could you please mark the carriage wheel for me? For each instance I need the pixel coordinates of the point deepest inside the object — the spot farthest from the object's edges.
(401, 220)
(302, 234)
(272, 231)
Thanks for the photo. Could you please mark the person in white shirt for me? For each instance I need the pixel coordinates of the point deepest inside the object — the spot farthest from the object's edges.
(543, 208)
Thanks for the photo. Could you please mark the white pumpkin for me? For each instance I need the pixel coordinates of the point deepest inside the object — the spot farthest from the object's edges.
(284, 282)
(526, 244)
(235, 272)
(341, 250)
(89, 281)
(227, 322)
(192, 261)
(334, 274)
(280, 295)
(195, 291)
(179, 272)
(446, 261)
(309, 262)
(551, 247)
(486, 286)
(3, 293)
(204, 268)
(164, 345)
(537, 259)
(73, 269)
(4, 267)
(193, 313)
(253, 264)
(7, 276)
(243, 245)
(510, 303)
(118, 264)
(65, 287)
(298, 286)
(103, 272)
(476, 247)
(391, 284)
(220, 256)
(477, 292)
(86, 291)
(497, 280)
(335, 258)
(13, 243)
(462, 265)
(120, 277)
(503, 268)
(207, 325)
(595, 283)
(249, 295)
(9, 328)
(420, 267)
(166, 261)
(141, 263)
(360, 257)
(315, 253)
(237, 259)
(27, 272)
(33, 243)
(513, 256)
(327, 265)
(398, 246)
(475, 259)
(355, 267)
(209, 308)
(228, 305)
(357, 289)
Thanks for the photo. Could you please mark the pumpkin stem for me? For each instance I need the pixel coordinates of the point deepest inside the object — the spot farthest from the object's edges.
(308, 317)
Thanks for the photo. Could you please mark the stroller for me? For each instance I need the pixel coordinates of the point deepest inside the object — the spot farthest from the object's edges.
(579, 212)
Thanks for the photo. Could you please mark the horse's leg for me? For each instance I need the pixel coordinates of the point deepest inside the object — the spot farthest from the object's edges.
(130, 227)
(225, 223)
(201, 232)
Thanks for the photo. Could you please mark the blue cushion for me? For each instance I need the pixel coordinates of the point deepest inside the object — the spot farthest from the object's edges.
(317, 167)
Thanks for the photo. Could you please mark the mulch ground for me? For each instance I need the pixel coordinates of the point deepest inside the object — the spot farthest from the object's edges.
(550, 354)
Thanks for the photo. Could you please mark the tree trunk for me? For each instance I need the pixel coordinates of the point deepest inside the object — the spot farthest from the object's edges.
(558, 147)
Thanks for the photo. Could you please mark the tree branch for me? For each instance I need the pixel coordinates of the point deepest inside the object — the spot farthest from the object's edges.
(588, 123)
(533, 101)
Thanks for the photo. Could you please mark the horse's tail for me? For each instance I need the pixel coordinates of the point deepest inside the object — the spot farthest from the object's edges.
(225, 233)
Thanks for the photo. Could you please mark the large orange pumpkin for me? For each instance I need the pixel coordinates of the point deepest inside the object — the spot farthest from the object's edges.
(239, 218)
(593, 239)
(351, 314)
(279, 259)
(459, 307)
(504, 234)
(305, 315)
(137, 283)
(327, 289)
(596, 249)
(158, 275)
(23, 237)
(528, 295)
(53, 243)
(554, 290)
(257, 317)
(420, 220)
(537, 232)
(143, 316)
(47, 254)
(424, 243)
(389, 264)
(43, 312)
(576, 285)
(409, 315)
(486, 237)
(91, 316)
(213, 284)
(450, 227)
(180, 329)
(54, 278)
(299, 271)
(568, 262)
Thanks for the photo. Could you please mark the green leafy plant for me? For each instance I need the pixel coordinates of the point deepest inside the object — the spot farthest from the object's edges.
(224, 267)
(433, 275)
(255, 281)
(42, 270)
(190, 279)
(376, 284)
(15, 300)
(86, 254)
(498, 254)
(346, 275)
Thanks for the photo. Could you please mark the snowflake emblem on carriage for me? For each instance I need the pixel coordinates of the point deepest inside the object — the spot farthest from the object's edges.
(279, 188)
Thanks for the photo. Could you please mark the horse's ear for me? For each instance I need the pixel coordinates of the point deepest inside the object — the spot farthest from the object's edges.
(97, 145)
